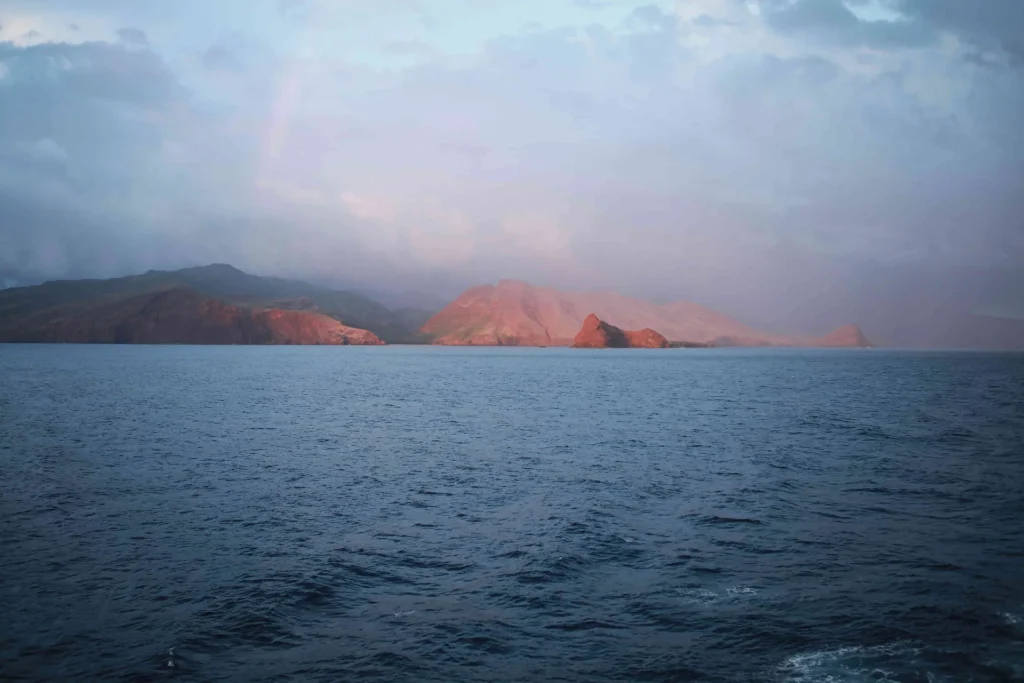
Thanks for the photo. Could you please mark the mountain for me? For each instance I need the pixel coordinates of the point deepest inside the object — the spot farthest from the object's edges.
(844, 337)
(516, 313)
(597, 334)
(176, 316)
(222, 283)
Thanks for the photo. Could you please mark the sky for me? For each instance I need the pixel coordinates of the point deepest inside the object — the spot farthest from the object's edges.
(796, 163)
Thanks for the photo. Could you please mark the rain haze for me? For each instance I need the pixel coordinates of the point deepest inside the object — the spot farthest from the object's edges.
(797, 164)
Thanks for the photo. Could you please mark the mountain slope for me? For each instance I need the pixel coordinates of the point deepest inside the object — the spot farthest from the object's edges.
(516, 313)
(228, 284)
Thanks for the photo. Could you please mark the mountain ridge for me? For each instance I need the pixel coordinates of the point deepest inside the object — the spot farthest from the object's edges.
(513, 312)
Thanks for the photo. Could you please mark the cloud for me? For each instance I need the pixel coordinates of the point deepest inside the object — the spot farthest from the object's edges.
(994, 24)
(991, 27)
(655, 16)
(46, 150)
(833, 20)
(79, 126)
(133, 36)
(219, 56)
(93, 71)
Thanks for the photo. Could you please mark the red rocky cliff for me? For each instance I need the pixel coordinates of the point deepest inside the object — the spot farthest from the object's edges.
(646, 339)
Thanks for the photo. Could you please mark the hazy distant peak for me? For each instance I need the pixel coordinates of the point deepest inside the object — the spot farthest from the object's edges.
(218, 268)
(846, 336)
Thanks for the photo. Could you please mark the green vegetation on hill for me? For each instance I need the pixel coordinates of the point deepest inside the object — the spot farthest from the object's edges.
(225, 283)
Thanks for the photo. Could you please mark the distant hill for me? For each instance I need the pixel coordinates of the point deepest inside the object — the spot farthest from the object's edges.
(176, 316)
(23, 307)
(516, 313)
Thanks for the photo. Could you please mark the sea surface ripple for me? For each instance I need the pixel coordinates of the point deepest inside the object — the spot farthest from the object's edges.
(452, 514)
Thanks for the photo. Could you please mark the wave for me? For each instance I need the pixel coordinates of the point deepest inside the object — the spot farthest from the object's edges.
(890, 662)
(584, 625)
(728, 519)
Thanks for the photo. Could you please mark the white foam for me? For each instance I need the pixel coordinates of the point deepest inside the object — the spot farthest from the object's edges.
(853, 664)
(701, 596)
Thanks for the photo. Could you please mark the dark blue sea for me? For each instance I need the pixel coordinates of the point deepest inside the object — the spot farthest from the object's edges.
(458, 514)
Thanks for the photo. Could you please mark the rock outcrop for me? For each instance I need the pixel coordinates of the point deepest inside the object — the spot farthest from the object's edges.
(597, 334)
(514, 313)
(179, 316)
(298, 327)
(646, 339)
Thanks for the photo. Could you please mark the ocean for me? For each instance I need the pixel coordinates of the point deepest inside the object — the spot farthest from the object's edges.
(499, 514)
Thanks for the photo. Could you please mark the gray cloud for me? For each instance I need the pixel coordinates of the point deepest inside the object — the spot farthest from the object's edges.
(655, 16)
(996, 24)
(219, 56)
(133, 36)
(832, 20)
(92, 71)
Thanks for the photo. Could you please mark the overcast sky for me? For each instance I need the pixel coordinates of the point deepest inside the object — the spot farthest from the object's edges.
(797, 163)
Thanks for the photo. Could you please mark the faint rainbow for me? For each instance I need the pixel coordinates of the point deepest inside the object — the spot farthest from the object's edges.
(275, 137)
(282, 112)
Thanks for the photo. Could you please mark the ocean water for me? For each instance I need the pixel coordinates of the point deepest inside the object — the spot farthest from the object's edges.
(453, 514)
